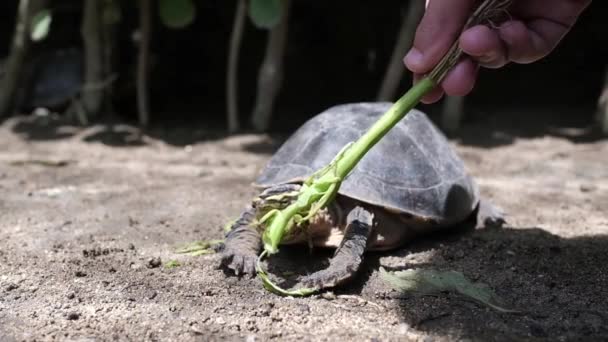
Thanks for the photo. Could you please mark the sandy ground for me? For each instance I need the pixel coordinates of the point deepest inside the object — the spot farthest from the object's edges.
(84, 214)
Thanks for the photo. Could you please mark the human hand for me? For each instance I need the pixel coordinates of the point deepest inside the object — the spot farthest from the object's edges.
(532, 31)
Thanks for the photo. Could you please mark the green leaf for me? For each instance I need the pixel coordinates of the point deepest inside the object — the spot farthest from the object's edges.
(41, 23)
(176, 14)
(197, 248)
(430, 281)
(172, 264)
(272, 287)
(111, 12)
(265, 13)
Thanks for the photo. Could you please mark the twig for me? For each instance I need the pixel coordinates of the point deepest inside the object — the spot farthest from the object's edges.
(233, 60)
(142, 63)
(18, 52)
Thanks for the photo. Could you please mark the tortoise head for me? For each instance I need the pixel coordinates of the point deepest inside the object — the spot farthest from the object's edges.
(275, 197)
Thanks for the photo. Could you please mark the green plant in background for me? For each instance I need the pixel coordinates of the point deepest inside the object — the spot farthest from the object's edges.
(40, 25)
(273, 16)
(99, 22)
(266, 14)
(602, 110)
(234, 47)
(405, 38)
(270, 15)
(13, 71)
(176, 14)
(321, 187)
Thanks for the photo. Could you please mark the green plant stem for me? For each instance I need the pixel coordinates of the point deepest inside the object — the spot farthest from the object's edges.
(279, 226)
(395, 114)
(328, 182)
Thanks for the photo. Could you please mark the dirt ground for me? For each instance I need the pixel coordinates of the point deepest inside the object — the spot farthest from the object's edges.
(84, 213)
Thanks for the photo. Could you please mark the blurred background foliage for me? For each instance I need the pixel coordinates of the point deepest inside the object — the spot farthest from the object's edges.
(265, 65)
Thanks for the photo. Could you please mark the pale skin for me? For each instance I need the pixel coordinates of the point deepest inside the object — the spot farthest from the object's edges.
(533, 30)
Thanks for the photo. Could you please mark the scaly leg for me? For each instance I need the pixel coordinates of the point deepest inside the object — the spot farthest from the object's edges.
(489, 215)
(243, 244)
(243, 241)
(348, 257)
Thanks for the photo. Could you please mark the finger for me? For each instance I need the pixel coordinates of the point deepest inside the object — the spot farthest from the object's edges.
(438, 29)
(537, 35)
(523, 45)
(485, 46)
(461, 79)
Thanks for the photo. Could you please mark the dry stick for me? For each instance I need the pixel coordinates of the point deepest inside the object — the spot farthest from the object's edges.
(452, 113)
(602, 111)
(271, 71)
(322, 186)
(233, 60)
(405, 38)
(92, 98)
(109, 43)
(14, 65)
(142, 63)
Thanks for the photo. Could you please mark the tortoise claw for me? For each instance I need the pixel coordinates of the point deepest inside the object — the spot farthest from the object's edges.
(489, 215)
(239, 263)
(328, 278)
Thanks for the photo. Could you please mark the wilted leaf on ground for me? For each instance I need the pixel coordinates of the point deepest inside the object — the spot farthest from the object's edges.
(176, 14)
(41, 23)
(432, 281)
(265, 13)
(172, 264)
(41, 162)
(199, 247)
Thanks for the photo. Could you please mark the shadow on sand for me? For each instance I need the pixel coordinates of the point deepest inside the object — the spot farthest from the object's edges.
(560, 285)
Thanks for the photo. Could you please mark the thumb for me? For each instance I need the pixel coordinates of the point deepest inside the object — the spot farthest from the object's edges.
(440, 26)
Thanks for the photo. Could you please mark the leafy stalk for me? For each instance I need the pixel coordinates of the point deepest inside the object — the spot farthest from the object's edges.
(318, 190)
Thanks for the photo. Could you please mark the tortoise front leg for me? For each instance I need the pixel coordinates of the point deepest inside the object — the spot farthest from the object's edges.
(349, 255)
(243, 244)
(243, 241)
(489, 215)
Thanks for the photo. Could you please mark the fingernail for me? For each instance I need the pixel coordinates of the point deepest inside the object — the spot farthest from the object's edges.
(413, 59)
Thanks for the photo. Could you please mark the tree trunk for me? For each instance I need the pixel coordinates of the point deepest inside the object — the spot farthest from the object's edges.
(233, 59)
(142, 62)
(452, 113)
(270, 77)
(92, 92)
(602, 112)
(405, 39)
(110, 46)
(18, 52)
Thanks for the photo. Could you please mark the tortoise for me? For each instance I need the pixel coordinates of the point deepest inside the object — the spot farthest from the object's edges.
(411, 183)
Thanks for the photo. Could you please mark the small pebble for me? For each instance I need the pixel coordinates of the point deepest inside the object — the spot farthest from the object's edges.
(588, 187)
(328, 295)
(72, 316)
(304, 308)
(154, 262)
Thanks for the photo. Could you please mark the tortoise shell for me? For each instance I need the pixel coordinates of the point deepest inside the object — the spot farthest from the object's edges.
(412, 171)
